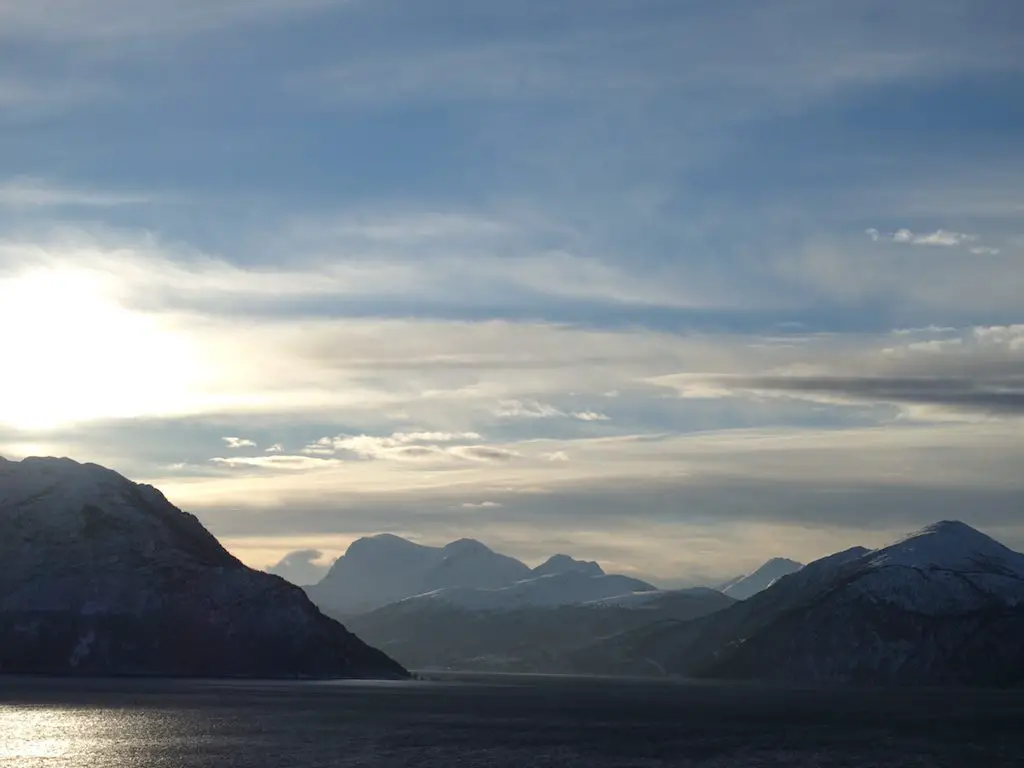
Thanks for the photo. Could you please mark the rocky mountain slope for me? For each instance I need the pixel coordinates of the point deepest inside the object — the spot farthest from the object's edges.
(943, 606)
(437, 634)
(101, 576)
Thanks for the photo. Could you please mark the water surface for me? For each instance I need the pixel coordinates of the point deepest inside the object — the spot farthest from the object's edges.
(499, 721)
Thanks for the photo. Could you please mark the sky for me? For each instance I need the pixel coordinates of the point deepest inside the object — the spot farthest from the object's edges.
(676, 285)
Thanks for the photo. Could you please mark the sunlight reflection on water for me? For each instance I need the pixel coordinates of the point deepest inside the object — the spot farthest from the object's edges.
(95, 738)
(504, 723)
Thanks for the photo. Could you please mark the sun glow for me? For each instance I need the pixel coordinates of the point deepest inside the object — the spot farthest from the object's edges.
(69, 352)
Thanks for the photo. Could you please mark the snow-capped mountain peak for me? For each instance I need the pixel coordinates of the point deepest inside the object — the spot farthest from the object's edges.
(749, 585)
(48, 503)
(381, 569)
(950, 545)
(98, 571)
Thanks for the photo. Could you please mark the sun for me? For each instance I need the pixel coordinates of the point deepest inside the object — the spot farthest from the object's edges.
(70, 352)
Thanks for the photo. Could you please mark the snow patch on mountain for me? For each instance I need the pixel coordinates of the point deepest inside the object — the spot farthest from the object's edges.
(98, 571)
(746, 586)
(944, 568)
(553, 590)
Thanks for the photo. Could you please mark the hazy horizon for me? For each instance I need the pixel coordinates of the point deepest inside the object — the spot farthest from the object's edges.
(677, 287)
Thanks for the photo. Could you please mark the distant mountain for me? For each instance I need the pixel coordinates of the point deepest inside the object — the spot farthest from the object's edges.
(558, 564)
(749, 585)
(101, 576)
(570, 587)
(382, 569)
(426, 633)
(943, 606)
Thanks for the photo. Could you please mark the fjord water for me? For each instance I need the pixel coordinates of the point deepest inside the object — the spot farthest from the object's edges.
(499, 721)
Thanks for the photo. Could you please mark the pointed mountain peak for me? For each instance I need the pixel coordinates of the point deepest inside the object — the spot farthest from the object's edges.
(948, 544)
(950, 528)
(761, 579)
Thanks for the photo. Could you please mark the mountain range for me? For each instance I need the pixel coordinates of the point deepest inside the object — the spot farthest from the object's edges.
(379, 570)
(103, 576)
(944, 605)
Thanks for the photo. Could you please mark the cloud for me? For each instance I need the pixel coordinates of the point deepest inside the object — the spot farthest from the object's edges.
(944, 238)
(399, 445)
(238, 442)
(926, 282)
(484, 453)
(593, 52)
(647, 228)
(30, 192)
(481, 505)
(940, 237)
(412, 446)
(224, 339)
(460, 265)
(302, 567)
(282, 463)
(590, 416)
(532, 409)
(979, 372)
(709, 490)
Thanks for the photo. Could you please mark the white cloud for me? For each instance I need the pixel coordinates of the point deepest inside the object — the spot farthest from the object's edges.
(940, 237)
(238, 442)
(275, 448)
(400, 445)
(527, 409)
(279, 462)
(29, 192)
(590, 416)
(950, 455)
(944, 238)
(481, 505)
(472, 260)
(532, 409)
